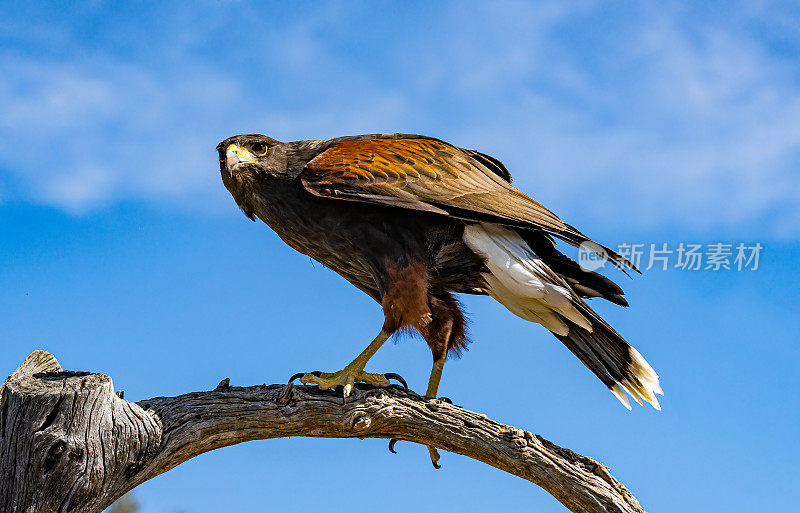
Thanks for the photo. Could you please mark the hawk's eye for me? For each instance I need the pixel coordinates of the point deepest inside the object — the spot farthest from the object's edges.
(259, 148)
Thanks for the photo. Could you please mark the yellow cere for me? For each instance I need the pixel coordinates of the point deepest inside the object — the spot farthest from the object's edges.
(244, 155)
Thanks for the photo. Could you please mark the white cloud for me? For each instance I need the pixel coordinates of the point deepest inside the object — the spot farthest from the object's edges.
(701, 129)
(663, 119)
(79, 188)
(83, 133)
(94, 128)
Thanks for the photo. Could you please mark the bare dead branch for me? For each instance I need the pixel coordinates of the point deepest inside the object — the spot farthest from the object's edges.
(69, 443)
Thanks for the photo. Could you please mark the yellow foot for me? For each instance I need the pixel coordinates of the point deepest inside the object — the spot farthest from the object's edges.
(346, 378)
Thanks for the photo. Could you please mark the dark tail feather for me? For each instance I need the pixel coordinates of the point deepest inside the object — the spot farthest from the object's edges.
(618, 365)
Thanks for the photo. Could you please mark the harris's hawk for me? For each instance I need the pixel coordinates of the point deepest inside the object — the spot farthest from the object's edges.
(410, 220)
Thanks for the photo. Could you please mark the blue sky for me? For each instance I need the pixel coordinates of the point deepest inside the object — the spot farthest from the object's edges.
(121, 251)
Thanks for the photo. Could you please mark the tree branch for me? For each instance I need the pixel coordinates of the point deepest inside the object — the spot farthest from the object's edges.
(69, 443)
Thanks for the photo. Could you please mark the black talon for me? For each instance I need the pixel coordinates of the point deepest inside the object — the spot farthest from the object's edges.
(391, 445)
(434, 457)
(301, 374)
(398, 377)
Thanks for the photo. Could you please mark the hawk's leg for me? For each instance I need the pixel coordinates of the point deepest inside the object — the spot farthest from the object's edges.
(353, 372)
(436, 377)
(433, 389)
(444, 334)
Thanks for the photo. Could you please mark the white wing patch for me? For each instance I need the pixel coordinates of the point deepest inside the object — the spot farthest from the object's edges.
(523, 283)
(520, 280)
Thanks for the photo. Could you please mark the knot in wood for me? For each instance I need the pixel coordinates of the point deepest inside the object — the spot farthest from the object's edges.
(359, 420)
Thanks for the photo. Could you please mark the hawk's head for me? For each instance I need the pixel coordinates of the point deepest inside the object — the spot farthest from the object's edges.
(242, 158)
(240, 152)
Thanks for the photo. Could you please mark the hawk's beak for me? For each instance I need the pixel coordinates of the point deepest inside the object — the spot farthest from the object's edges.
(236, 156)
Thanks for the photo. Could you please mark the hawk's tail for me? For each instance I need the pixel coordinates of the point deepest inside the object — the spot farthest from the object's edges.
(524, 284)
(618, 365)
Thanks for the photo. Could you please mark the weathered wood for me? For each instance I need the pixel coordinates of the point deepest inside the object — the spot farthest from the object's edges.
(69, 443)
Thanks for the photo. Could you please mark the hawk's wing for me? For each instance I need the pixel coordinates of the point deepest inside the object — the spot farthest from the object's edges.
(427, 174)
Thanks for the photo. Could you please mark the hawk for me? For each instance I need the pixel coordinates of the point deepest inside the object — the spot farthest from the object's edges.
(410, 220)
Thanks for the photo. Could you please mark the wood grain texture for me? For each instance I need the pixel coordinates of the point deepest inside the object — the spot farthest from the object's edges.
(69, 443)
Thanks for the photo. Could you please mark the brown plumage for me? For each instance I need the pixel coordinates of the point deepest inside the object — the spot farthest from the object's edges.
(411, 220)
